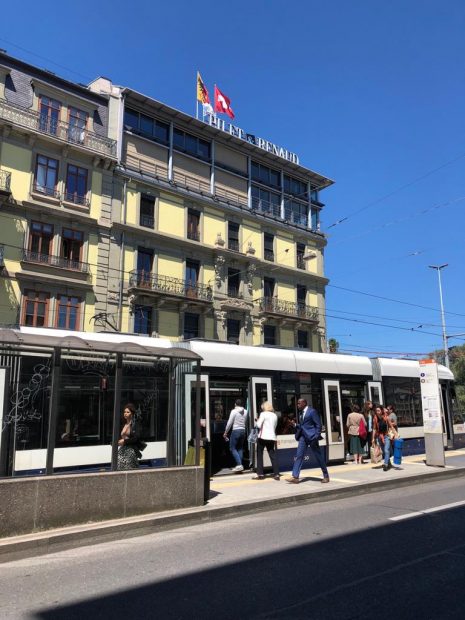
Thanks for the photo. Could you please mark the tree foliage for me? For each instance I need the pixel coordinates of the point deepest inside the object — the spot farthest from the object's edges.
(457, 366)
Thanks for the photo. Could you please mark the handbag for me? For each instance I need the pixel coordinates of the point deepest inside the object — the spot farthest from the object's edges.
(375, 454)
(362, 429)
(392, 434)
(253, 435)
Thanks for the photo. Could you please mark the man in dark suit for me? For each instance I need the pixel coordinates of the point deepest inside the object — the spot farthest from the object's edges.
(308, 433)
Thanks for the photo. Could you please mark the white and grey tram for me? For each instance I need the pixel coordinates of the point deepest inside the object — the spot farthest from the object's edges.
(332, 383)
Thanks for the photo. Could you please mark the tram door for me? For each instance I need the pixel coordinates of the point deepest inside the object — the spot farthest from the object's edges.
(375, 392)
(333, 422)
(260, 391)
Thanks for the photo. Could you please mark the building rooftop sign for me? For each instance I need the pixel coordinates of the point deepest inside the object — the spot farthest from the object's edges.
(237, 132)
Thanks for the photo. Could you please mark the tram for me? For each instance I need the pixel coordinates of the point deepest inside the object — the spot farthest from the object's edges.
(332, 383)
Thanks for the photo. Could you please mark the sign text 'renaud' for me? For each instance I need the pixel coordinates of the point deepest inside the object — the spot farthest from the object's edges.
(237, 132)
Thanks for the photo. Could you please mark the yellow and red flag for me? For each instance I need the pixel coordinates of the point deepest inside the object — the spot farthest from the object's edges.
(202, 92)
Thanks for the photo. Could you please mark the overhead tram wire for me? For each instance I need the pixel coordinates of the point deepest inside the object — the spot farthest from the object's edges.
(396, 191)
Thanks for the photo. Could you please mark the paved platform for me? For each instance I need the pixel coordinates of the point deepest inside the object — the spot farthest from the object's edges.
(238, 494)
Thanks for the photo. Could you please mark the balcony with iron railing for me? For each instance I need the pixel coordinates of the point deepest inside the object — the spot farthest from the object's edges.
(147, 221)
(272, 305)
(5, 182)
(55, 261)
(170, 286)
(193, 235)
(268, 255)
(64, 132)
(233, 244)
(300, 261)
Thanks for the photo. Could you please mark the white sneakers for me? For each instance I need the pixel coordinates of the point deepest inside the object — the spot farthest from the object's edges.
(238, 468)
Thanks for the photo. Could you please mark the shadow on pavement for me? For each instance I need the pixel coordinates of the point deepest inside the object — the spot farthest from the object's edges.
(405, 569)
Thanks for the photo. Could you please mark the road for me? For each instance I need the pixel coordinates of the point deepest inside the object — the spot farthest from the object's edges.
(374, 556)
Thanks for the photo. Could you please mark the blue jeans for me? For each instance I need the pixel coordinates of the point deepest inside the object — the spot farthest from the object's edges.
(299, 457)
(387, 449)
(236, 445)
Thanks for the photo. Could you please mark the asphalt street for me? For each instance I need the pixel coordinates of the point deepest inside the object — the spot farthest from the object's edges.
(392, 554)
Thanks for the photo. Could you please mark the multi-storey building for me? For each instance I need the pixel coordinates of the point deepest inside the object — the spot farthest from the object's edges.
(214, 237)
(120, 212)
(56, 171)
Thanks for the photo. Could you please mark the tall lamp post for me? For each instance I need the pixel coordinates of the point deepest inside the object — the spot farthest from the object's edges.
(443, 320)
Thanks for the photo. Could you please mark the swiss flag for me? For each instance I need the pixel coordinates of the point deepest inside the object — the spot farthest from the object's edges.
(222, 103)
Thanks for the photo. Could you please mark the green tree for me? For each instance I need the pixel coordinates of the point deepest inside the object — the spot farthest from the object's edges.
(333, 345)
(457, 366)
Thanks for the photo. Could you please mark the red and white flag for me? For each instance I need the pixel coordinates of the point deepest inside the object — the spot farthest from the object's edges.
(222, 103)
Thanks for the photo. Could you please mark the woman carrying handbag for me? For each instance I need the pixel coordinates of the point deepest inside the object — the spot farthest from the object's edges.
(384, 433)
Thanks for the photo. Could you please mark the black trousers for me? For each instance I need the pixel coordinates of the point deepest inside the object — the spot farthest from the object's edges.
(270, 445)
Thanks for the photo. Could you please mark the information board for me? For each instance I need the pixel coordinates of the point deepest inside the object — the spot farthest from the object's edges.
(431, 408)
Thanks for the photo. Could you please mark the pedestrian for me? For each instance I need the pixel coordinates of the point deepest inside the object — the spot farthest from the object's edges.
(308, 433)
(236, 424)
(356, 428)
(130, 444)
(381, 427)
(368, 412)
(392, 416)
(267, 423)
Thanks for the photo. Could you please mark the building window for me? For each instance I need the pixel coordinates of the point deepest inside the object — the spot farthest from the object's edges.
(144, 267)
(35, 309)
(190, 144)
(266, 176)
(193, 225)
(268, 287)
(68, 312)
(76, 184)
(233, 236)
(234, 282)
(269, 334)
(49, 115)
(296, 212)
(265, 201)
(46, 176)
(295, 187)
(40, 240)
(233, 328)
(147, 211)
(315, 219)
(191, 325)
(300, 256)
(77, 122)
(192, 277)
(301, 296)
(146, 126)
(302, 339)
(268, 246)
(143, 320)
(71, 247)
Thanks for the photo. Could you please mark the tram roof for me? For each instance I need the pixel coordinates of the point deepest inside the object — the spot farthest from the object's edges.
(99, 342)
(408, 368)
(224, 355)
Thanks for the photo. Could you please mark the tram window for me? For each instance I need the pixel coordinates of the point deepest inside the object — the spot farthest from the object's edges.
(404, 394)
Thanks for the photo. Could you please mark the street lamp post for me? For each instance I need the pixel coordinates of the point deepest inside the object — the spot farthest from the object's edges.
(443, 319)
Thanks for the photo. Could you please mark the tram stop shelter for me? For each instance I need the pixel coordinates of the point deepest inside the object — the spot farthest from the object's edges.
(61, 402)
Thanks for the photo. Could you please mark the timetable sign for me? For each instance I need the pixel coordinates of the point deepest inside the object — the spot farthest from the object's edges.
(430, 396)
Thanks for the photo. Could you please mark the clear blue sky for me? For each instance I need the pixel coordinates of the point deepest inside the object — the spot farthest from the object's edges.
(368, 92)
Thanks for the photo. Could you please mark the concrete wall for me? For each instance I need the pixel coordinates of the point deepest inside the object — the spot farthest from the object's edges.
(32, 504)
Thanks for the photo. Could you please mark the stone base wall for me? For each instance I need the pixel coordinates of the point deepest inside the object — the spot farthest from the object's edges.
(33, 504)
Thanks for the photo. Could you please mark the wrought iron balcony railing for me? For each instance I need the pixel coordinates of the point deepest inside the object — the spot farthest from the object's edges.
(55, 261)
(233, 244)
(300, 262)
(170, 286)
(52, 192)
(148, 221)
(194, 235)
(5, 181)
(269, 255)
(272, 305)
(76, 199)
(65, 132)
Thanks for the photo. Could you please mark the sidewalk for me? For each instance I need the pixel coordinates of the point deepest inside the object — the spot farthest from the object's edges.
(238, 495)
